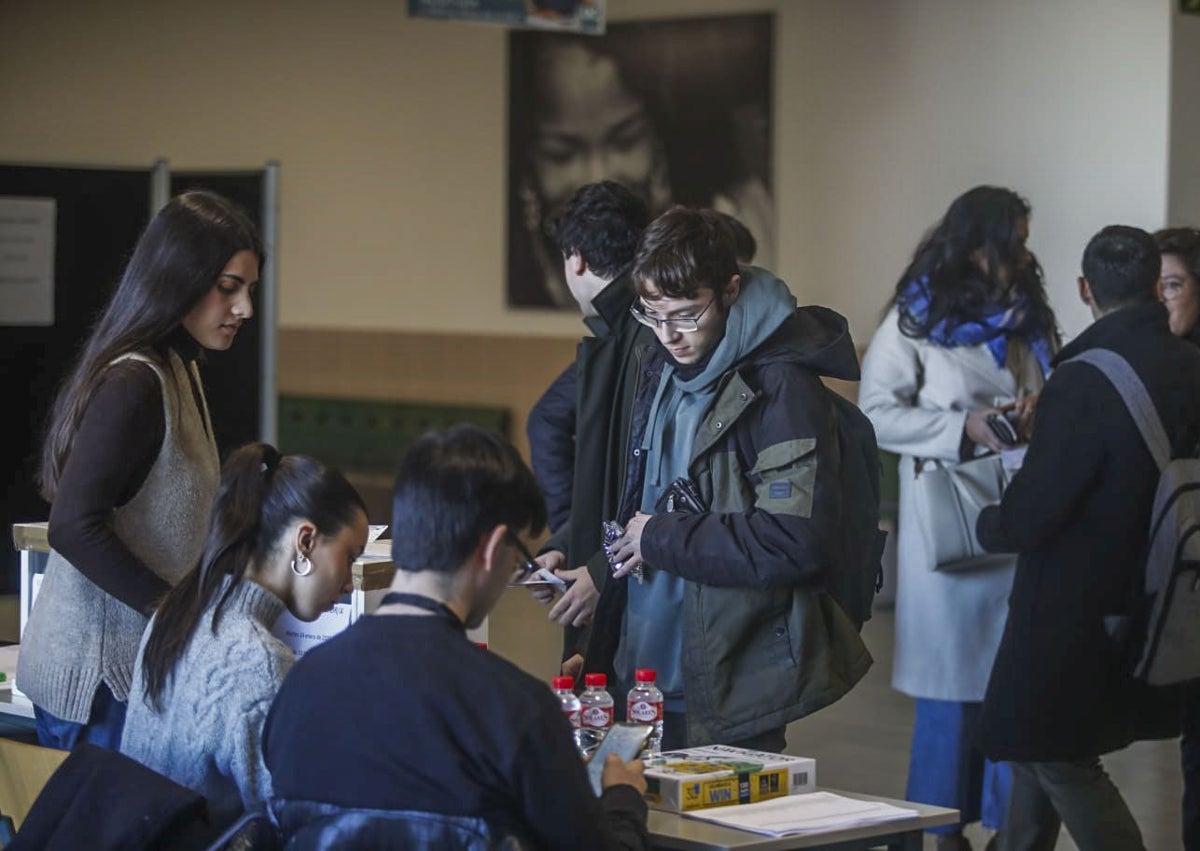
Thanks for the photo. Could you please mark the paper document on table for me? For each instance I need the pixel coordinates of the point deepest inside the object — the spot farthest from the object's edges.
(806, 813)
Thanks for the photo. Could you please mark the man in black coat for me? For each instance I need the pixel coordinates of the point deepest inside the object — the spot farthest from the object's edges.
(1078, 512)
(575, 429)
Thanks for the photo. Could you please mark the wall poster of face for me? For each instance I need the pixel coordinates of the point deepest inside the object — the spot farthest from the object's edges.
(678, 110)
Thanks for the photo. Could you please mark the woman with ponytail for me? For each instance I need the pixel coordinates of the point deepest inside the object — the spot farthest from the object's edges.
(284, 533)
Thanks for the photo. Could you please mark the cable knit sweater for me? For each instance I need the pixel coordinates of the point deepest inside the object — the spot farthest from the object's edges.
(208, 735)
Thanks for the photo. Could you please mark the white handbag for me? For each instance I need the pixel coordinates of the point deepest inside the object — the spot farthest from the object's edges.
(947, 499)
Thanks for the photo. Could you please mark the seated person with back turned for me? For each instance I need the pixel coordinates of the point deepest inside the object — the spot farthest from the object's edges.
(400, 727)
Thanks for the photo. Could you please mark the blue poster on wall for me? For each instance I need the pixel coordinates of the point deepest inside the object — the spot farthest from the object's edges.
(580, 16)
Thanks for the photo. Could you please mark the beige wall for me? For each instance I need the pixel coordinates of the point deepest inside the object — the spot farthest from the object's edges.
(390, 132)
(1066, 101)
(1184, 185)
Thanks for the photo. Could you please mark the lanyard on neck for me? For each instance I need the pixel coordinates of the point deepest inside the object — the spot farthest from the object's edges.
(429, 604)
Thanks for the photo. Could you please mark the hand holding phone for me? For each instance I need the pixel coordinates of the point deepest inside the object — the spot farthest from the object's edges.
(1003, 429)
(540, 577)
(626, 739)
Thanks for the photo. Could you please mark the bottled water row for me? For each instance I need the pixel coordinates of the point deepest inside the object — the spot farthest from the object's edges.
(591, 713)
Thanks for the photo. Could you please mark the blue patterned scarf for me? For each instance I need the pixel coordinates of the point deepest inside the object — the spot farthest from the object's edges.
(994, 327)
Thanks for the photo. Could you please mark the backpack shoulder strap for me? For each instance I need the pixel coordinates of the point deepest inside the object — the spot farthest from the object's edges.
(1137, 399)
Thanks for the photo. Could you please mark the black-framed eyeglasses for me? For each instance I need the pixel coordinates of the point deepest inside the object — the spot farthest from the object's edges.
(527, 566)
(682, 324)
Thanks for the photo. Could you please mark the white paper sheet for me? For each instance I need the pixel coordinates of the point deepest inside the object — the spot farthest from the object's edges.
(805, 813)
(27, 230)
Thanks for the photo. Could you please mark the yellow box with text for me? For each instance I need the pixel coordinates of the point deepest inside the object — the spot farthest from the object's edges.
(719, 775)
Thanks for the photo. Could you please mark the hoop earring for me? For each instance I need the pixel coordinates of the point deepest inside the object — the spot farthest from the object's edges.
(301, 565)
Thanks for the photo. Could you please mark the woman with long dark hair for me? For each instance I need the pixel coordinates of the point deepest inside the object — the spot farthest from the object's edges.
(968, 333)
(129, 464)
(284, 534)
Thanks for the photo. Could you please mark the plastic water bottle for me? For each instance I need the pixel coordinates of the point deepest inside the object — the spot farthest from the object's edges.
(564, 687)
(596, 704)
(645, 705)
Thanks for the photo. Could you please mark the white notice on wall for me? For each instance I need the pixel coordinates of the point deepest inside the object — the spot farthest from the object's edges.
(27, 261)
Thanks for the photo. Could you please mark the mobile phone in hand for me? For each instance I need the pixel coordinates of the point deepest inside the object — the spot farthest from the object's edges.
(1003, 429)
(626, 739)
(542, 577)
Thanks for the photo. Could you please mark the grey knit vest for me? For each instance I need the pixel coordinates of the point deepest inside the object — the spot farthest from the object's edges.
(78, 636)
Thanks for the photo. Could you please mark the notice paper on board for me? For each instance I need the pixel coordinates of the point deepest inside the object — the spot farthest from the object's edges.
(27, 231)
(809, 812)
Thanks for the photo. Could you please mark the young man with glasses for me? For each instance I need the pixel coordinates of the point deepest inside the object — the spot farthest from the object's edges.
(729, 608)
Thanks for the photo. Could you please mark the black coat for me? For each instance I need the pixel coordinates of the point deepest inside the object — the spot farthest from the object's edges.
(102, 799)
(550, 429)
(605, 369)
(1078, 514)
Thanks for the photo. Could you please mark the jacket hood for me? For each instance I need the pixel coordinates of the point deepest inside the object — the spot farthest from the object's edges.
(764, 303)
(817, 338)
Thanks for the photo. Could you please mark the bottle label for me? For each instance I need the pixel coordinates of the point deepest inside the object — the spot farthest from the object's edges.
(572, 716)
(597, 717)
(645, 711)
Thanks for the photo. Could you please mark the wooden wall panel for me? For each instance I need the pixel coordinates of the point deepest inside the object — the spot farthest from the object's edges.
(506, 371)
(465, 368)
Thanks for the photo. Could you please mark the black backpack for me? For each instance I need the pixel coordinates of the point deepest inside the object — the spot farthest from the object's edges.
(859, 574)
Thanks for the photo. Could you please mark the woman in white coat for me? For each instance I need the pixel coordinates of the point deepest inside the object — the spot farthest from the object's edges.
(967, 333)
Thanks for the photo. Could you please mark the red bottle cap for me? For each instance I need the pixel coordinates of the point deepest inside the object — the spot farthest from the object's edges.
(596, 679)
(563, 682)
(645, 675)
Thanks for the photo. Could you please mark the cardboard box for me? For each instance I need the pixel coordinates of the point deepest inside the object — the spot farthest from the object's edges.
(719, 775)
